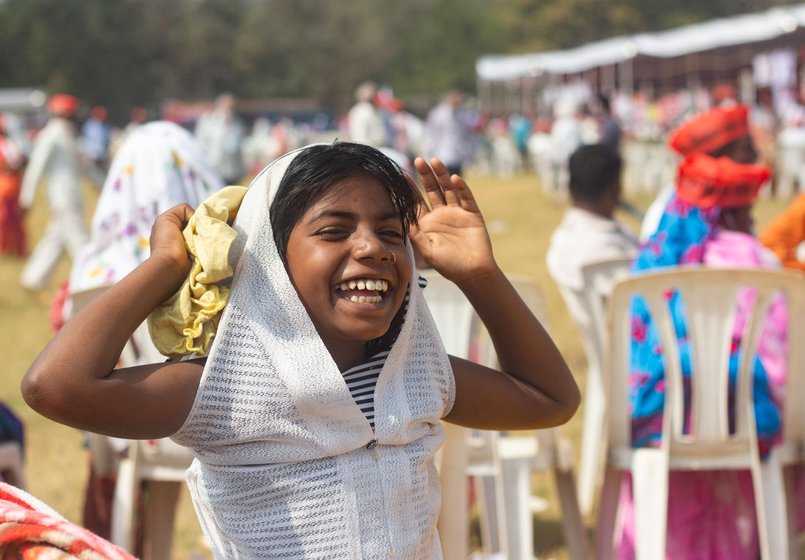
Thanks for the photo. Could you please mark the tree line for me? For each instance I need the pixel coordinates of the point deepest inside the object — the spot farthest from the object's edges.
(124, 53)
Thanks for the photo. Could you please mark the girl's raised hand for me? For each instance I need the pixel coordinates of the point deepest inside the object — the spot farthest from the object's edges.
(451, 236)
(167, 242)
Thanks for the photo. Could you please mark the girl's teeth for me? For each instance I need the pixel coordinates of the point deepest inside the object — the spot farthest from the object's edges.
(366, 299)
(371, 285)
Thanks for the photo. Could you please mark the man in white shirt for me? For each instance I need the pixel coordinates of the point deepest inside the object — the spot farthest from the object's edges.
(220, 133)
(55, 159)
(448, 137)
(364, 121)
(588, 232)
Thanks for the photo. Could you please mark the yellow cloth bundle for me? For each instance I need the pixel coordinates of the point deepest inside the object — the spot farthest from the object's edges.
(186, 323)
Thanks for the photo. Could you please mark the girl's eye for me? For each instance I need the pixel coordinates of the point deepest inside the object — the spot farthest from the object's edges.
(392, 235)
(332, 233)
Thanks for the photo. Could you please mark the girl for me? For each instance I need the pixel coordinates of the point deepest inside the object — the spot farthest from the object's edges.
(288, 463)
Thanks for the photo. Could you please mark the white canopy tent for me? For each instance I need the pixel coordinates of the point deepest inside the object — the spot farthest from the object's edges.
(621, 61)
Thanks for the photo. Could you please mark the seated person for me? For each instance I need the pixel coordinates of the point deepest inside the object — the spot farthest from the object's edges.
(785, 234)
(719, 132)
(588, 232)
(711, 514)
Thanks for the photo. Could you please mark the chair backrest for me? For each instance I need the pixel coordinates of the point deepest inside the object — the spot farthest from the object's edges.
(455, 318)
(599, 279)
(534, 298)
(710, 299)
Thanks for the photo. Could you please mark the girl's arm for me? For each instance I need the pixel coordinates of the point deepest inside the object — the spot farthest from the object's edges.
(73, 380)
(534, 388)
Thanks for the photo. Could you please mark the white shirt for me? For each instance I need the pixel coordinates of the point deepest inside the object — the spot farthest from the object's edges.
(581, 238)
(365, 125)
(55, 159)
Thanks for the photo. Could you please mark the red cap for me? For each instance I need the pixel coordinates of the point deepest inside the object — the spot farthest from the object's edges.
(705, 181)
(63, 104)
(710, 130)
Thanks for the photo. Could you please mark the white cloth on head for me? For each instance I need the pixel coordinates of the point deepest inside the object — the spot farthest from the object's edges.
(286, 465)
(159, 166)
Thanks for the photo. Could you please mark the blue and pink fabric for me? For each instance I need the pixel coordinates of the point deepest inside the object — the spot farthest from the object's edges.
(711, 514)
(689, 235)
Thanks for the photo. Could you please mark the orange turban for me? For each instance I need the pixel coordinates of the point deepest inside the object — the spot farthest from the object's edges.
(710, 130)
(63, 104)
(705, 181)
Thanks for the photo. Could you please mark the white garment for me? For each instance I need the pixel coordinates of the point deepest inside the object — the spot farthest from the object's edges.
(447, 136)
(366, 125)
(159, 166)
(285, 461)
(220, 134)
(55, 160)
(581, 238)
(652, 217)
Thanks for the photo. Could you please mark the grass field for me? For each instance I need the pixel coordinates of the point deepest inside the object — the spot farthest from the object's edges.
(520, 220)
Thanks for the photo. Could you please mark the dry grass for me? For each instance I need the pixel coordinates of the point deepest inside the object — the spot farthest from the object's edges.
(521, 220)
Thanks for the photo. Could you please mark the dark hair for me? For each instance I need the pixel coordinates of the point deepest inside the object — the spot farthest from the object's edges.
(316, 168)
(594, 168)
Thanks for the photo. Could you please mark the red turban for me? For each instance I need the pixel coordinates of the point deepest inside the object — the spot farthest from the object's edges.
(63, 104)
(710, 130)
(705, 181)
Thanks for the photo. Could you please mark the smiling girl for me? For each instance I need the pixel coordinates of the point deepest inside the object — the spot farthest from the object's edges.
(314, 419)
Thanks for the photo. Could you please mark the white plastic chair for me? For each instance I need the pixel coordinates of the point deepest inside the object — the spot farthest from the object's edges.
(501, 465)
(588, 310)
(161, 465)
(709, 297)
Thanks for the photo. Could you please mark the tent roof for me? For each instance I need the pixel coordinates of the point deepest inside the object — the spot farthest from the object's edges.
(689, 39)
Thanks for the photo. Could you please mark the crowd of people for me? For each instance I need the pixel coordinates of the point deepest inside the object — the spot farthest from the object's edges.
(268, 298)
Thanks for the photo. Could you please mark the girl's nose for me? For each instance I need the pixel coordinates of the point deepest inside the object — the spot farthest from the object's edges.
(369, 245)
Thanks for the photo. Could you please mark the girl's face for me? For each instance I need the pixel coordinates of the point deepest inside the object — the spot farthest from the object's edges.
(348, 262)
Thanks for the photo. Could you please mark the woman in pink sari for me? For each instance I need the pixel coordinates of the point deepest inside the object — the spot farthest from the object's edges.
(711, 514)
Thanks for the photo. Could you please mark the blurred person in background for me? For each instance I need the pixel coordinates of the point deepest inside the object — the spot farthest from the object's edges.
(55, 159)
(12, 163)
(719, 132)
(448, 137)
(588, 232)
(785, 235)
(565, 138)
(220, 133)
(707, 222)
(610, 129)
(95, 136)
(364, 120)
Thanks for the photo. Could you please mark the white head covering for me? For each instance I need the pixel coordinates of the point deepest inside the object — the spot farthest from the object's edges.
(274, 426)
(159, 166)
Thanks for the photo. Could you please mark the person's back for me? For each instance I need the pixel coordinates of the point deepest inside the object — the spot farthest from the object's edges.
(588, 232)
